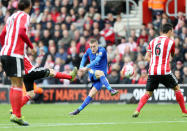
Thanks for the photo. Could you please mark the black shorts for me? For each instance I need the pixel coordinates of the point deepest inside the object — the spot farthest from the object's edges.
(37, 73)
(13, 66)
(169, 81)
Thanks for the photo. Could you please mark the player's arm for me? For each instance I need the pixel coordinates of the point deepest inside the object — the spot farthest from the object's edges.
(2, 36)
(172, 54)
(173, 49)
(148, 53)
(147, 56)
(25, 38)
(84, 59)
(22, 31)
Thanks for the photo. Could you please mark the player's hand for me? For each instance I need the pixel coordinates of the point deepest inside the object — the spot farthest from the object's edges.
(84, 69)
(32, 51)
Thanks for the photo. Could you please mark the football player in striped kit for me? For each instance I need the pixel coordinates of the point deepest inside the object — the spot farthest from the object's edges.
(158, 54)
(14, 41)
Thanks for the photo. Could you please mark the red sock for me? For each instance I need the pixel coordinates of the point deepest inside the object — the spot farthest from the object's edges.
(25, 100)
(180, 100)
(142, 102)
(10, 96)
(60, 75)
(17, 100)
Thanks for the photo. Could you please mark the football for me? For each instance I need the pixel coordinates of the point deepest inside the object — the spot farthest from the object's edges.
(127, 71)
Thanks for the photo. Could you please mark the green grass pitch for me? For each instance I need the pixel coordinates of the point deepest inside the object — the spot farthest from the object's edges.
(96, 117)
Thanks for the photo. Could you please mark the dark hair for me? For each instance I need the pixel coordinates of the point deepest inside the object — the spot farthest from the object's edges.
(166, 28)
(93, 40)
(24, 4)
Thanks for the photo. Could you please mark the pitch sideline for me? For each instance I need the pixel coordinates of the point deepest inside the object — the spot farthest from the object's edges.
(85, 124)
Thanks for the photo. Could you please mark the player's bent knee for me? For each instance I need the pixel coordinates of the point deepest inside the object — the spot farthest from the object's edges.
(51, 73)
(176, 88)
(16, 81)
(149, 93)
(99, 73)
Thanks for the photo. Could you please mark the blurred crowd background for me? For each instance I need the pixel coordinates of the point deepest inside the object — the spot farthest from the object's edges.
(60, 31)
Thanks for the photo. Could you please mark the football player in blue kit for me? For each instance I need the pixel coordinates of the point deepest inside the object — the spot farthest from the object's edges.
(97, 70)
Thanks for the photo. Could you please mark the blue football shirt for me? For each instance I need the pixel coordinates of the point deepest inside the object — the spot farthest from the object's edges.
(98, 61)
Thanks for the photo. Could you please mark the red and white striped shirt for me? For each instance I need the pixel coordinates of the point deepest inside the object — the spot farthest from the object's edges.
(13, 36)
(28, 67)
(160, 48)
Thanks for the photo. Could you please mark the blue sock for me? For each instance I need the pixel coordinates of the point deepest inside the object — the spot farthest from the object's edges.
(85, 103)
(104, 81)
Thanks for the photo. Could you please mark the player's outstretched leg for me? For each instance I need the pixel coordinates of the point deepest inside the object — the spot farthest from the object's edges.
(88, 99)
(141, 103)
(105, 82)
(84, 104)
(73, 73)
(60, 75)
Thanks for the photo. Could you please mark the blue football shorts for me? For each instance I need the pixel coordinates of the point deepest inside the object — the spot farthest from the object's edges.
(95, 82)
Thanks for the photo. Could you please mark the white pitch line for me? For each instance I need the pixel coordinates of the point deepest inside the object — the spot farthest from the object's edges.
(55, 124)
(86, 124)
(4, 124)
